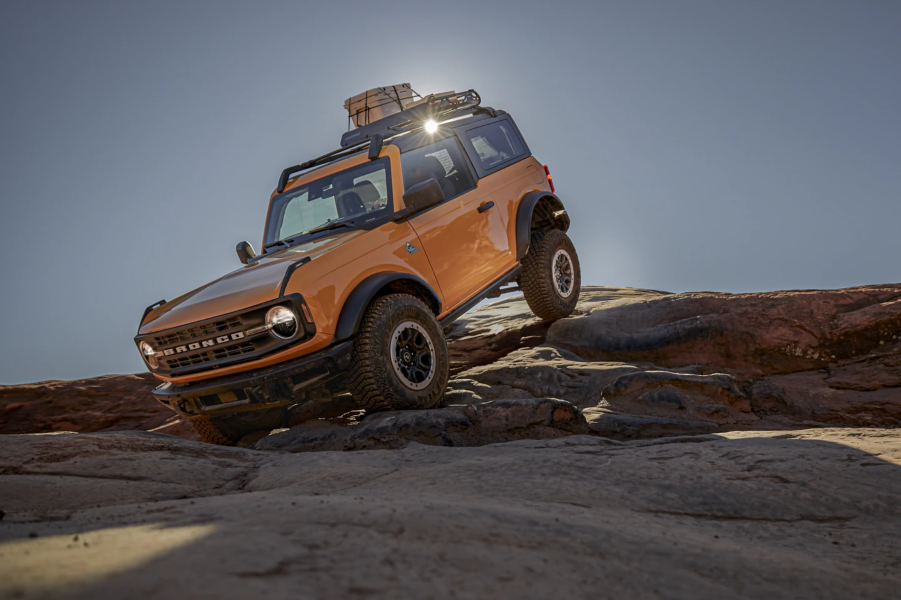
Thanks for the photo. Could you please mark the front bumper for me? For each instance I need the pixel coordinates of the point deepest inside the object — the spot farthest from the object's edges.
(274, 386)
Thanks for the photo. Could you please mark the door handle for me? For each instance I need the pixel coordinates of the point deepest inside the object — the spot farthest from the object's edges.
(486, 206)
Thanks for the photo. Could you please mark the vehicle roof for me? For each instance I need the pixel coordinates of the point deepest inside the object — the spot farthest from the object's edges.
(465, 104)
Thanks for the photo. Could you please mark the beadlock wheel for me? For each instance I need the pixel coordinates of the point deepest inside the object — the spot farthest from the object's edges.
(412, 355)
(551, 279)
(562, 266)
(399, 358)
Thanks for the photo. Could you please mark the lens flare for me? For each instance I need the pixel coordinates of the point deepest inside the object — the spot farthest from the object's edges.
(431, 126)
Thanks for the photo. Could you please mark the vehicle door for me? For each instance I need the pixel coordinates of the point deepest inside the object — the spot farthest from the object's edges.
(503, 163)
(464, 237)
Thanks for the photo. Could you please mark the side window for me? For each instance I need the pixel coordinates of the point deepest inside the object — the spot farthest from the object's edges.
(495, 144)
(442, 160)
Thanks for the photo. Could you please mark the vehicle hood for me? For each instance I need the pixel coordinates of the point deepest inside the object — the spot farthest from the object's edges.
(241, 289)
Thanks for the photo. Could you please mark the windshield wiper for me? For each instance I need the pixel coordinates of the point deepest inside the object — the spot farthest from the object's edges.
(329, 225)
(285, 242)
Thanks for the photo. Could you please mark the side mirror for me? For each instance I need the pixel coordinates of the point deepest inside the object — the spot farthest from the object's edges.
(245, 252)
(423, 195)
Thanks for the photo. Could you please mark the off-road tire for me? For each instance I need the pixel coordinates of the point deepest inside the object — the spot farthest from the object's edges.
(372, 379)
(537, 276)
(227, 430)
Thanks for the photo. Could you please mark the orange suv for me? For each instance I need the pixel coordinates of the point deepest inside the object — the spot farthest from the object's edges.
(369, 253)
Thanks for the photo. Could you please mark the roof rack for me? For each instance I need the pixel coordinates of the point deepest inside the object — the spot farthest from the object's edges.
(430, 107)
(435, 107)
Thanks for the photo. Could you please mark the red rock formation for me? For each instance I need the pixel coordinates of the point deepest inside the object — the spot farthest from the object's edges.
(112, 402)
(824, 356)
(788, 358)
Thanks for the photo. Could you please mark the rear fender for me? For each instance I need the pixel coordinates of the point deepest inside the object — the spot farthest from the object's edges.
(546, 205)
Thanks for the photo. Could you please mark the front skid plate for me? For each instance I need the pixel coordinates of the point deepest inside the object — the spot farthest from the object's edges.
(256, 390)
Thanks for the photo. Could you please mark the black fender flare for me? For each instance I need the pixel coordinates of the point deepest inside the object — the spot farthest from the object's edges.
(352, 312)
(524, 219)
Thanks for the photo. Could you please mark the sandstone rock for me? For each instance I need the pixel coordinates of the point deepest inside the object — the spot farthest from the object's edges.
(747, 334)
(542, 371)
(305, 439)
(111, 402)
(330, 408)
(492, 332)
(636, 427)
(469, 425)
(679, 395)
(809, 395)
(503, 420)
(798, 356)
(395, 429)
(791, 514)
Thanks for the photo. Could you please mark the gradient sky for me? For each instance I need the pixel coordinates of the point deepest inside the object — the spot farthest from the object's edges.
(698, 145)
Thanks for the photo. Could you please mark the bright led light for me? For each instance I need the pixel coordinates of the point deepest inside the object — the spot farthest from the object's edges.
(431, 126)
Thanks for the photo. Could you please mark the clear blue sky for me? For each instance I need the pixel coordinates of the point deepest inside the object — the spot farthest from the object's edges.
(699, 145)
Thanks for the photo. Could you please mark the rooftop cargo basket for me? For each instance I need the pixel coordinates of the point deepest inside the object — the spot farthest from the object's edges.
(433, 106)
(378, 103)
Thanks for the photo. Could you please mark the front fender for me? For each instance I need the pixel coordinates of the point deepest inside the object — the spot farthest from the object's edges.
(352, 312)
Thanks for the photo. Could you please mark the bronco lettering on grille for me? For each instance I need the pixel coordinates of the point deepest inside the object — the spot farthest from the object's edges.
(205, 344)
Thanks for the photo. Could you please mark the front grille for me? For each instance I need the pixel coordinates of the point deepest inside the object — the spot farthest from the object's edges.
(224, 340)
(198, 331)
(217, 354)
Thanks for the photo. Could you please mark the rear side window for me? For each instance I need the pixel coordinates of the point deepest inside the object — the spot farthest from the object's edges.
(442, 161)
(495, 144)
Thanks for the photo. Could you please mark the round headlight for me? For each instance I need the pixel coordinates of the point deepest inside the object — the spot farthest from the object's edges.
(282, 322)
(149, 356)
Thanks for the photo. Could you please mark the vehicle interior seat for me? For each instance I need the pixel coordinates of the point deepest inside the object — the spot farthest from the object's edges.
(368, 193)
(436, 170)
(350, 204)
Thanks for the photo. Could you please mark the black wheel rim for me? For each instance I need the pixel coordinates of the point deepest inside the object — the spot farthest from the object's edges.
(562, 273)
(412, 355)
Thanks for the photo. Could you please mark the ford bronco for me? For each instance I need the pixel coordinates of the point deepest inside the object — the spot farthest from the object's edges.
(369, 253)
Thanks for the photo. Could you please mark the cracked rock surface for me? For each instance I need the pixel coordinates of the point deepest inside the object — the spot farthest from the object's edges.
(750, 514)
(651, 445)
(638, 363)
(643, 362)
(733, 361)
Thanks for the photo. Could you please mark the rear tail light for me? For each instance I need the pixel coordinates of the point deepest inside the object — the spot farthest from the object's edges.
(550, 179)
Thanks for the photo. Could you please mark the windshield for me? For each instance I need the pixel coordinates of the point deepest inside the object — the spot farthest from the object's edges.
(354, 197)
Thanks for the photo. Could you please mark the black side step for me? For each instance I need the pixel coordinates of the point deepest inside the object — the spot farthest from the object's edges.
(492, 291)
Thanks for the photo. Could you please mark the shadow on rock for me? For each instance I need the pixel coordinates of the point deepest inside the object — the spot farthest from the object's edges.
(462, 425)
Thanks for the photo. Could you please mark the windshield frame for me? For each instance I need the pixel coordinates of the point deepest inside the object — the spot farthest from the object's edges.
(271, 242)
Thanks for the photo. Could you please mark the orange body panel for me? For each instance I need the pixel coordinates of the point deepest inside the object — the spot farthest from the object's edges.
(467, 249)
(463, 252)
(509, 185)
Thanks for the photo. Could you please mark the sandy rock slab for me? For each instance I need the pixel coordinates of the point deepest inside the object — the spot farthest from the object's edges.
(735, 360)
(797, 514)
(461, 425)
